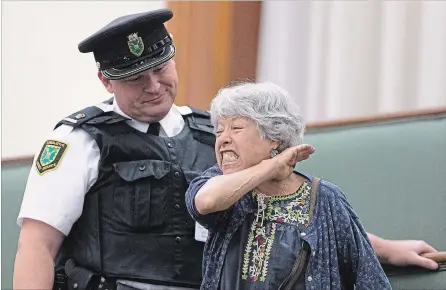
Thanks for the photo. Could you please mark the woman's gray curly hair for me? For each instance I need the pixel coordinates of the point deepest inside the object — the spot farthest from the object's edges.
(268, 105)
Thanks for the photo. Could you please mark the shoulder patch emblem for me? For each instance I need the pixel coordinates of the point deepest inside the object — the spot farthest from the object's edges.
(50, 156)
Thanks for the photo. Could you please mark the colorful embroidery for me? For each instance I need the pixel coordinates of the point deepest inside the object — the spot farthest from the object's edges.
(258, 243)
(293, 209)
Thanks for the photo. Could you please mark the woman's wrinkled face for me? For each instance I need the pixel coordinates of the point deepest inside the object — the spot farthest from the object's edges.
(239, 146)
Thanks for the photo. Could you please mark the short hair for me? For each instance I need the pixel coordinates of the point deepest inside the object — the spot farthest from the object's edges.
(271, 107)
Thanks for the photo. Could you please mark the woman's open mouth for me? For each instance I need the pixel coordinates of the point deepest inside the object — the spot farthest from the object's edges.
(228, 157)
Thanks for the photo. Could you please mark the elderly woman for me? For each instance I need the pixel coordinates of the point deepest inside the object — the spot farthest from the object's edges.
(271, 227)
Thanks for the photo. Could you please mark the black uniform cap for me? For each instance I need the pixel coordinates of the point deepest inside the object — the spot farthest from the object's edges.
(131, 44)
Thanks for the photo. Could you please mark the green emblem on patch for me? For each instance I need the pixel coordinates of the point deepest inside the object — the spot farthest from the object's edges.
(50, 156)
(136, 45)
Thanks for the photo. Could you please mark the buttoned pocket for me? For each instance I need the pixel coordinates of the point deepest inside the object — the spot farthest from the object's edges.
(140, 197)
(134, 170)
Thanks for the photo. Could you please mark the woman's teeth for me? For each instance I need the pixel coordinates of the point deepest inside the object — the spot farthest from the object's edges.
(229, 156)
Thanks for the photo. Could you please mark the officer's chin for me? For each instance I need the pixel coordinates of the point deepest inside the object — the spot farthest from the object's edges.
(155, 111)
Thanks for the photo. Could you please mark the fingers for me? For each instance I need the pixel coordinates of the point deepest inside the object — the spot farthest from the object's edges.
(305, 147)
(293, 155)
(426, 248)
(425, 263)
(303, 152)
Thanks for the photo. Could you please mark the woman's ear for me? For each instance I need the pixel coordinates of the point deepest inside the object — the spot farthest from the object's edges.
(275, 145)
(274, 150)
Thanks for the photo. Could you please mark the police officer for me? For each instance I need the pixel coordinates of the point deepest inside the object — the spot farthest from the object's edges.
(105, 196)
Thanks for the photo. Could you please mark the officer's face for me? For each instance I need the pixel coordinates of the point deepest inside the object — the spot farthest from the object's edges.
(239, 146)
(147, 96)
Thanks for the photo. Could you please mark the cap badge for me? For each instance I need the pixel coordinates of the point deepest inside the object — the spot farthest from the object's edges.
(136, 45)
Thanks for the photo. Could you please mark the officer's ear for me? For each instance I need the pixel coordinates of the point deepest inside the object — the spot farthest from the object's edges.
(106, 82)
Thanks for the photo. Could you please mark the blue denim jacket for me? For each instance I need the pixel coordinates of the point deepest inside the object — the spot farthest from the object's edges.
(341, 254)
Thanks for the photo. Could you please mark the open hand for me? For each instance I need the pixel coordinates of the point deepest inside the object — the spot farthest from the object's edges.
(286, 160)
(408, 252)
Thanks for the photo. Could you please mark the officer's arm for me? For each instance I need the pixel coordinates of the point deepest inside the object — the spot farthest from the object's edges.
(62, 173)
(403, 252)
(37, 248)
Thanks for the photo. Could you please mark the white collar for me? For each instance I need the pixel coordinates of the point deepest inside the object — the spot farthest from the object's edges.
(171, 124)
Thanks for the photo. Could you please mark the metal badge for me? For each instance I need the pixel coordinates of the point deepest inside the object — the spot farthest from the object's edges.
(135, 43)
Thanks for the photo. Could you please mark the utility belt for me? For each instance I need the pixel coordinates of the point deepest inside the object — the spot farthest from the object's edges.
(74, 277)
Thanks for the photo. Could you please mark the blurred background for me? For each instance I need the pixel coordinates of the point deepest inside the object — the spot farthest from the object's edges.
(344, 62)
(338, 59)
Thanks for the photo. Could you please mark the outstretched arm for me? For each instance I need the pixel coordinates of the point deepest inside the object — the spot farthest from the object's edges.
(221, 192)
(403, 252)
(211, 194)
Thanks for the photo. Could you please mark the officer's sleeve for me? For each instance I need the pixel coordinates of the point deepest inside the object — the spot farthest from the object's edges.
(209, 221)
(62, 172)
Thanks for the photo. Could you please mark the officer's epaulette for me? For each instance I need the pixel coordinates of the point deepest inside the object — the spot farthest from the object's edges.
(99, 113)
(187, 110)
(197, 115)
(200, 113)
(200, 123)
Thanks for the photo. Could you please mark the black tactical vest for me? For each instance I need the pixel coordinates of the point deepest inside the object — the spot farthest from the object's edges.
(134, 223)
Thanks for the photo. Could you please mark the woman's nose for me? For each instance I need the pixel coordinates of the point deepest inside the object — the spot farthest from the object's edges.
(224, 138)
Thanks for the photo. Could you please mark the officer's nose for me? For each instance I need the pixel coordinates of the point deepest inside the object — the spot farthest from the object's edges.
(151, 84)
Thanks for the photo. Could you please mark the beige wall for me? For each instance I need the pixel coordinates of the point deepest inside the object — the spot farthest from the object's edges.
(44, 76)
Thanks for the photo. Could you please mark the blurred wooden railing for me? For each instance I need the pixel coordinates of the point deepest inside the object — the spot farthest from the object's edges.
(317, 125)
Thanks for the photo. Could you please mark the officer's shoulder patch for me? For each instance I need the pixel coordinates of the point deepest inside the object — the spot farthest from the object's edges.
(50, 156)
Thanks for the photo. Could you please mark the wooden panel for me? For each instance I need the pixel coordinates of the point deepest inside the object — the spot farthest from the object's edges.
(217, 43)
(244, 40)
(208, 52)
(377, 118)
(182, 43)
